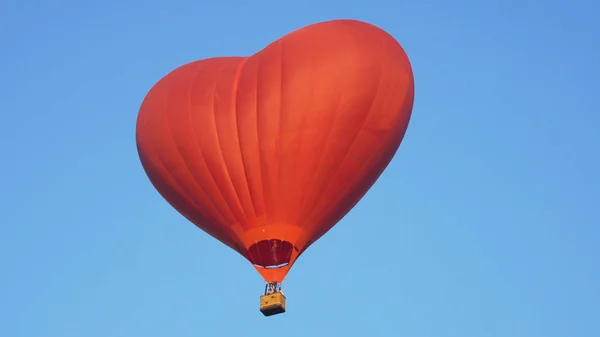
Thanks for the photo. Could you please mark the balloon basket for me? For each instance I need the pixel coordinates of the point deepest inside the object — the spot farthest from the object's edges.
(273, 301)
(272, 304)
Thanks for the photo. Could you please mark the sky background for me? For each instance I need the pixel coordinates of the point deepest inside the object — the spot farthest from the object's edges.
(486, 222)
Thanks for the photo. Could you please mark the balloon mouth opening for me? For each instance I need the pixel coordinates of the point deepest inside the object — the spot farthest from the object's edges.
(272, 267)
(271, 254)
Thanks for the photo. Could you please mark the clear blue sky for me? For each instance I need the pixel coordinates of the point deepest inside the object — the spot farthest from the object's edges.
(487, 219)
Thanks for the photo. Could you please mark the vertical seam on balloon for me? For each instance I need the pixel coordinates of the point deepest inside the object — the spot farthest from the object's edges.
(237, 127)
(161, 163)
(195, 137)
(258, 142)
(169, 128)
(170, 137)
(324, 150)
(170, 132)
(334, 176)
(302, 127)
(237, 196)
(309, 99)
(277, 196)
(233, 238)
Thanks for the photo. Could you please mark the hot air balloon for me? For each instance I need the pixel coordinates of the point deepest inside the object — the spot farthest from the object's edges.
(267, 153)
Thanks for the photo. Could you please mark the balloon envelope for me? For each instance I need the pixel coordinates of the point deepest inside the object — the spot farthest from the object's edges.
(267, 153)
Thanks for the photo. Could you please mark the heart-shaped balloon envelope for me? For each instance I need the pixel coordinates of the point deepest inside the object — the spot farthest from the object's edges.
(267, 153)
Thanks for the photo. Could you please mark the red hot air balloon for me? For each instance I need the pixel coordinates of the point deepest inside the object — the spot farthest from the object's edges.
(267, 153)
